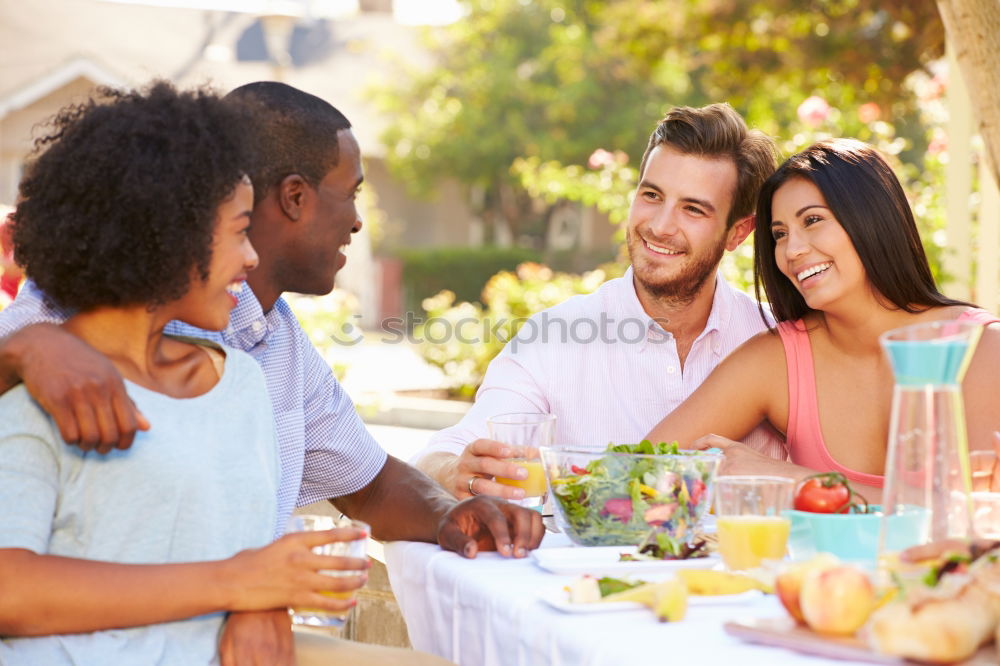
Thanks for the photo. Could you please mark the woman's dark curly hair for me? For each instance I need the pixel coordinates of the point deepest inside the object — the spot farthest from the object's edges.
(119, 206)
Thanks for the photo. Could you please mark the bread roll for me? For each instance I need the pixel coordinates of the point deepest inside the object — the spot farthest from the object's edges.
(945, 626)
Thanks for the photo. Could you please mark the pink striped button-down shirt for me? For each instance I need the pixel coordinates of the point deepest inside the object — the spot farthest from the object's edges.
(606, 370)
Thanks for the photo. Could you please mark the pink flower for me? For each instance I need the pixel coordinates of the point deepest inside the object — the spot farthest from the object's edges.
(938, 144)
(869, 112)
(600, 158)
(813, 111)
(936, 87)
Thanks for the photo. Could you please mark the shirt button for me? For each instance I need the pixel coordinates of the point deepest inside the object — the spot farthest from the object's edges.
(257, 326)
(671, 369)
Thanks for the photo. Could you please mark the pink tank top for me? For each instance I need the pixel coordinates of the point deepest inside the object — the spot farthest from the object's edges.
(805, 439)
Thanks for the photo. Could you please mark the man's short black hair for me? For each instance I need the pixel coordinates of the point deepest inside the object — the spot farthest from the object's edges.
(120, 203)
(295, 133)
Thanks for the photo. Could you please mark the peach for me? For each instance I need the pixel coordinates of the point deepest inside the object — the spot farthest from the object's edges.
(837, 600)
(788, 584)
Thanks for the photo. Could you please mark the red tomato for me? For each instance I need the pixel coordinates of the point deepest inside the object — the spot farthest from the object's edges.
(824, 493)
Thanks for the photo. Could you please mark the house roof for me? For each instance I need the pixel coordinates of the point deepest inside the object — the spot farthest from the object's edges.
(55, 79)
(47, 43)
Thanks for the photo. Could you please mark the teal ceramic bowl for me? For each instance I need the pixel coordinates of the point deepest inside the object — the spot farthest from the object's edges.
(852, 537)
(849, 536)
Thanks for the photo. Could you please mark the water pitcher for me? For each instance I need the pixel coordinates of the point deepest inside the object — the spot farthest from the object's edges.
(927, 473)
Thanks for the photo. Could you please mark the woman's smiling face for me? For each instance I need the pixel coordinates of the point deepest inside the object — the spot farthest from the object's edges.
(207, 303)
(811, 248)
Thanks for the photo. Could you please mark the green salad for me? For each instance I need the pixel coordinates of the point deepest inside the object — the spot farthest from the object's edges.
(619, 500)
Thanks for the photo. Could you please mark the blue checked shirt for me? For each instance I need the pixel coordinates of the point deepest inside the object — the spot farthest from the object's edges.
(324, 448)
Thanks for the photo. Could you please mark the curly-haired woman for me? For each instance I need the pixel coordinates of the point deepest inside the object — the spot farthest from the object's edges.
(135, 213)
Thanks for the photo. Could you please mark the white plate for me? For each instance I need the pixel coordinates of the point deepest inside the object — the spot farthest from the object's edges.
(556, 598)
(604, 560)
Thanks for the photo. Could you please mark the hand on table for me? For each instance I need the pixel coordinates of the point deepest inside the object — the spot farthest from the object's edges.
(79, 387)
(480, 462)
(487, 523)
(257, 638)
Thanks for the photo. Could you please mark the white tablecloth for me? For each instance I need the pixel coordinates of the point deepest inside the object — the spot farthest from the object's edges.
(487, 612)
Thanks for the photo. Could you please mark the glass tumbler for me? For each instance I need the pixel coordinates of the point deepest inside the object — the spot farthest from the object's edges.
(525, 433)
(356, 548)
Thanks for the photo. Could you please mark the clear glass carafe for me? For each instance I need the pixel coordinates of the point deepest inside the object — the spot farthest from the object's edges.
(927, 473)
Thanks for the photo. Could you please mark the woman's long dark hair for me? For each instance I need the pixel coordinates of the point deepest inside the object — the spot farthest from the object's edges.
(866, 198)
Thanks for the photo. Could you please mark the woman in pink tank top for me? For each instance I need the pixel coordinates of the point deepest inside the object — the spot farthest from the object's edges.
(839, 259)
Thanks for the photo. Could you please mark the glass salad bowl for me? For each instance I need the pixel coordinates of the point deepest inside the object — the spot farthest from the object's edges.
(617, 497)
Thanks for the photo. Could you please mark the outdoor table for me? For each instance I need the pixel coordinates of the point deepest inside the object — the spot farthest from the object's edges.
(487, 612)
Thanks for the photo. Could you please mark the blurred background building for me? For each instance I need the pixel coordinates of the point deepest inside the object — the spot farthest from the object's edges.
(54, 52)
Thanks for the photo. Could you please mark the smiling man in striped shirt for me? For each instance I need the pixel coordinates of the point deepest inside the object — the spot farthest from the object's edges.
(611, 364)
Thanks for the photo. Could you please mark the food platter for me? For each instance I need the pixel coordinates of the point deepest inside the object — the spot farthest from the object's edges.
(605, 561)
(783, 632)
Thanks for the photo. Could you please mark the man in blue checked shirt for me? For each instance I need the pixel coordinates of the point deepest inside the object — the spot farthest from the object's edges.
(306, 177)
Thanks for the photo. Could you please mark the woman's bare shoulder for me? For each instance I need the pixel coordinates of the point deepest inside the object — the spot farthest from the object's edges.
(989, 343)
(982, 372)
(763, 349)
(765, 342)
(947, 312)
(981, 386)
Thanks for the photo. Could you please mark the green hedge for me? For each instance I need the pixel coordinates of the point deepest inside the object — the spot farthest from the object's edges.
(463, 270)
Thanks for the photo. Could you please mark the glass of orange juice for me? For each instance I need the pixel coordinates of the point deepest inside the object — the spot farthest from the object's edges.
(524, 433)
(985, 471)
(749, 519)
(357, 548)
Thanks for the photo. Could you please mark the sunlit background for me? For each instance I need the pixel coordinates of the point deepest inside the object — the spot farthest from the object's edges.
(501, 137)
(408, 12)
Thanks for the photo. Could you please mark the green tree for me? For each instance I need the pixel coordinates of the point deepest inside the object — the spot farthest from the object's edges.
(517, 79)
(550, 81)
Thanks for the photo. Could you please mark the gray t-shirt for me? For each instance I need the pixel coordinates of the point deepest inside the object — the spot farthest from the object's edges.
(325, 449)
(201, 484)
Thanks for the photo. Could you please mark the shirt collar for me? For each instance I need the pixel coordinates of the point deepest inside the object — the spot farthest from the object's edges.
(247, 323)
(723, 302)
(625, 303)
(625, 300)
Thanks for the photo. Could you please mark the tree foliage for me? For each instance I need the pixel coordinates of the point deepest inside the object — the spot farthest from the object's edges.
(550, 81)
(550, 100)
